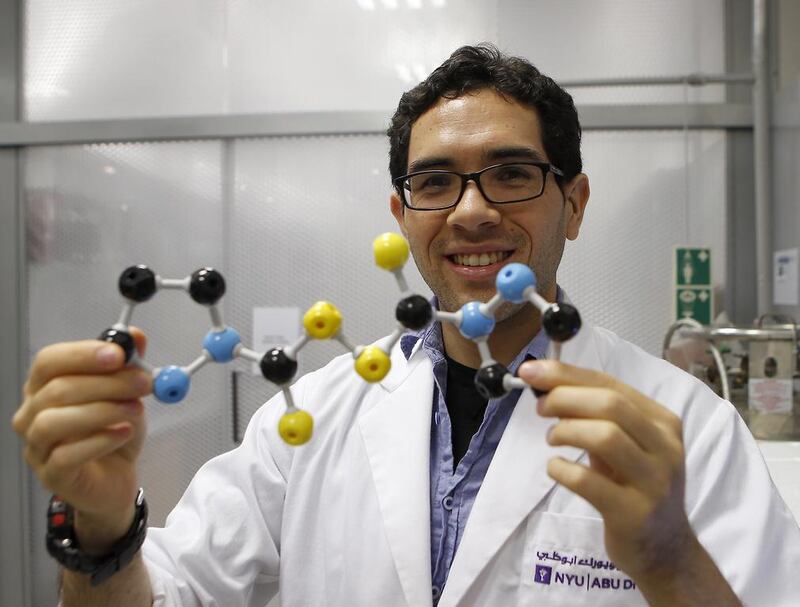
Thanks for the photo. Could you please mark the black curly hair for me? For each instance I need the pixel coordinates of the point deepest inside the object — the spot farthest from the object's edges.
(472, 68)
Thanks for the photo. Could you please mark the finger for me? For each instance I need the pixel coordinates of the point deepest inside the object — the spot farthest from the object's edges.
(79, 357)
(128, 384)
(65, 424)
(608, 442)
(545, 375)
(606, 404)
(604, 494)
(73, 358)
(66, 460)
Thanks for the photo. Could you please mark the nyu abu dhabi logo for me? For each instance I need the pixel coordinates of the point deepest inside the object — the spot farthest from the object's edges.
(580, 573)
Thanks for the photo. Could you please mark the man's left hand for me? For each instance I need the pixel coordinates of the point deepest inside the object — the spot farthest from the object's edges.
(636, 472)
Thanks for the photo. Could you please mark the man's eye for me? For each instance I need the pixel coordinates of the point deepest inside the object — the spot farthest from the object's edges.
(430, 182)
(513, 173)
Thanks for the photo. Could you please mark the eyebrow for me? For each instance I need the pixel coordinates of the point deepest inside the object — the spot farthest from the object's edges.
(444, 162)
(518, 152)
(423, 164)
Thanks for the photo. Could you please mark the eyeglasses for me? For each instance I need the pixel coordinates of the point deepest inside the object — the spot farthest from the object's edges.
(499, 184)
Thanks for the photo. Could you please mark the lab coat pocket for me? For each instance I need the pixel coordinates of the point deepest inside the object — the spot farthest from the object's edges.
(565, 563)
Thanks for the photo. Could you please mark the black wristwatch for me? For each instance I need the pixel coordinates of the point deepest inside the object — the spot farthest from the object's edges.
(63, 545)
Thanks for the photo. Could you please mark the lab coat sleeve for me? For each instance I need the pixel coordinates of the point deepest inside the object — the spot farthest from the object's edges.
(736, 511)
(221, 543)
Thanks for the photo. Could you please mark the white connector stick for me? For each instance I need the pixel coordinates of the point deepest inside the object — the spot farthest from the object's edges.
(216, 319)
(198, 363)
(173, 283)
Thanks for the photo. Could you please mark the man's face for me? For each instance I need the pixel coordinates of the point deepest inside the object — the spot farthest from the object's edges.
(460, 250)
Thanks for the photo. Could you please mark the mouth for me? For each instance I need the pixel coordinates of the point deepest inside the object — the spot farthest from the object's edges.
(479, 260)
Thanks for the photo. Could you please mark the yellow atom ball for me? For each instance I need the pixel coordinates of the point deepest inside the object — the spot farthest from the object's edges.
(391, 251)
(373, 364)
(322, 320)
(296, 428)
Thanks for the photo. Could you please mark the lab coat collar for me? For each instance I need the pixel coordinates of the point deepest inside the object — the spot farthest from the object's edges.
(516, 481)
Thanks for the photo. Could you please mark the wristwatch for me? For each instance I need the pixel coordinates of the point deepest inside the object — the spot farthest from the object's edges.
(63, 545)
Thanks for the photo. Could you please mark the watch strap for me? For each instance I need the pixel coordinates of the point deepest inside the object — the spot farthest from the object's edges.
(62, 544)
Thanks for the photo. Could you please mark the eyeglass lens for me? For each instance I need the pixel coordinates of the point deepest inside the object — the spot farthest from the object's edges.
(504, 183)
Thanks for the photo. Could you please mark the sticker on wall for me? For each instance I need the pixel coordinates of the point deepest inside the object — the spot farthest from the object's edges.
(786, 290)
(274, 327)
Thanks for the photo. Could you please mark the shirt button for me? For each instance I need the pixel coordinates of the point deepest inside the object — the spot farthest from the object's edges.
(436, 591)
(447, 502)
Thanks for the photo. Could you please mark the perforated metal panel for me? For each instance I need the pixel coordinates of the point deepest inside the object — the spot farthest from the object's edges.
(645, 200)
(93, 211)
(124, 58)
(591, 39)
(305, 213)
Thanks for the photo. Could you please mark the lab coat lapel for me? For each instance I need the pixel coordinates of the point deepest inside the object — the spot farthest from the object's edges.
(396, 434)
(515, 482)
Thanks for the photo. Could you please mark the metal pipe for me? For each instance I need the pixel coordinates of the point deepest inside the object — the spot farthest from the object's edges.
(697, 79)
(717, 334)
(695, 329)
(761, 158)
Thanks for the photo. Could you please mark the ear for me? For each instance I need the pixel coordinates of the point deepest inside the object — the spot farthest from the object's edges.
(398, 210)
(577, 197)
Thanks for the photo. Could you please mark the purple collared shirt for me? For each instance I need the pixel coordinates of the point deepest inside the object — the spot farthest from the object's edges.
(453, 492)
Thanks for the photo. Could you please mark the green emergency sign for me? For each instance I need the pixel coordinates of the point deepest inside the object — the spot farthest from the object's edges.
(694, 295)
(694, 302)
(693, 267)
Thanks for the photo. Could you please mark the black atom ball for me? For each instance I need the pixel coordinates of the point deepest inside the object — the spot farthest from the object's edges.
(207, 286)
(489, 381)
(561, 322)
(122, 338)
(137, 283)
(413, 312)
(277, 367)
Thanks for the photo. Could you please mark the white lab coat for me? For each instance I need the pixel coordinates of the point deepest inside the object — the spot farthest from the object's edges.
(345, 519)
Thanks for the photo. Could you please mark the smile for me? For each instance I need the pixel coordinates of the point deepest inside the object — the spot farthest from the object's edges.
(479, 259)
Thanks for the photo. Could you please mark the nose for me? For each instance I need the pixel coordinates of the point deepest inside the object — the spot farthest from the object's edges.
(473, 211)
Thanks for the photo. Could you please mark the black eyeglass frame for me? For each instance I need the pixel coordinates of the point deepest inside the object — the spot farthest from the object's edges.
(545, 167)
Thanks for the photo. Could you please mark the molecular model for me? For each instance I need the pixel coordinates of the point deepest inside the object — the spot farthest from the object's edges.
(515, 283)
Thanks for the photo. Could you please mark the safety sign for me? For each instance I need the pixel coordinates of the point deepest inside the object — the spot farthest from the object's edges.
(694, 295)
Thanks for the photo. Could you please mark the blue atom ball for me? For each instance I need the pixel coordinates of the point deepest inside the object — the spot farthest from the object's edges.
(512, 281)
(221, 344)
(171, 385)
(474, 323)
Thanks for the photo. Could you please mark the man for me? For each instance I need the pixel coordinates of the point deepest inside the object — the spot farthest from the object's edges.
(628, 483)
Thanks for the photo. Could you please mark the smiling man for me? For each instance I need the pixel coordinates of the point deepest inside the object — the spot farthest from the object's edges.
(627, 483)
(482, 193)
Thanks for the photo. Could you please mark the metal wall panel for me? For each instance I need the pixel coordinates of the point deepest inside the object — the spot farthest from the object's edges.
(651, 190)
(132, 59)
(91, 212)
(591, 39)
(121, 58)
(305, 212)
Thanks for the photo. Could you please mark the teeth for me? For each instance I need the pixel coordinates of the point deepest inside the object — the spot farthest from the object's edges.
(482, 259)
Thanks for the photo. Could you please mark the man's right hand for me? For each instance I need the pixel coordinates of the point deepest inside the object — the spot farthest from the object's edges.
(83, 424)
